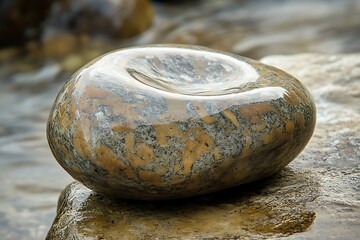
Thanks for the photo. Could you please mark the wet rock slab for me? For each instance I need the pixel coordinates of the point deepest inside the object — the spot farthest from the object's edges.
(318, 197)
(256, 210)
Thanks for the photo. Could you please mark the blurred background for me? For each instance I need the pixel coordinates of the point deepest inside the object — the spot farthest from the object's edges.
(42, 42)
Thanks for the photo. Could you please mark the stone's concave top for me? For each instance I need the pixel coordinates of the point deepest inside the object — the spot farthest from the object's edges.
(163, 122)
(178, 71)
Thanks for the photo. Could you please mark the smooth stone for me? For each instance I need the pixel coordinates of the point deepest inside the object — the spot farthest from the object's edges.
(163, 122)
(323, 179)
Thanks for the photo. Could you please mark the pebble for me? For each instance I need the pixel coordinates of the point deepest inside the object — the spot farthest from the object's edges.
(168, 121)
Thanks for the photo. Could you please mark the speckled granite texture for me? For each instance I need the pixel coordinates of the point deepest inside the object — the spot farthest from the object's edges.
(316, 197)
(162, 122)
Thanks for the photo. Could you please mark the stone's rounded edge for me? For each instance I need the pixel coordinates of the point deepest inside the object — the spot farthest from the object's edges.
(208, 148)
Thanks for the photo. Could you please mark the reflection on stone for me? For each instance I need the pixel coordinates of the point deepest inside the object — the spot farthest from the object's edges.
(164, 122)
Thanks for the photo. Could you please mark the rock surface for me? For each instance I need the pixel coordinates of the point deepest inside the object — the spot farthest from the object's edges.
(22, 20)
(74, 24)
(164, 122)
(252, 210)
(245, 28)
(320, 190)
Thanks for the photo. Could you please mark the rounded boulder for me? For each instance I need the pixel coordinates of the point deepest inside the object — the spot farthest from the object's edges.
(171, 121)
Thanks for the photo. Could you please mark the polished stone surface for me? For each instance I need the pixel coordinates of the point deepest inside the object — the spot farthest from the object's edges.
(316, 198)
(162, 122)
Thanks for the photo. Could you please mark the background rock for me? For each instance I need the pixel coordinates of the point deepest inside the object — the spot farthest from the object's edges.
(21, 20)
(72, 24)
(261, 28)
(119, 18)
(319, 191)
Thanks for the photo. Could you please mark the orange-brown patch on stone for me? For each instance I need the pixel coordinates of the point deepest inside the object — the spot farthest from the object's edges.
(106, 159)
(195, 149)
(137, 155)
(127, 111)
(161, 170)
(176, 179)
(166, 130)
(208, 119)
(216, 153)
(191, 154)
(150, 177)
(177, 168)
(109, 161)
(260, 127)
(73, 108)
(275, 134)
(134, 159)
(66, 114)
(86, 125)
(145, 152)
(104, 97)
(300, 120)
(299, 93)
(289, 126)
(232, 117)
(80, 144)
(119, 108)
(75, 170)
(204, 115)
(119, 128)
(252, 110)
(63, 118)
(94, 92)
(88, 105)
(127, 171)
(129, 141)
(292, 98)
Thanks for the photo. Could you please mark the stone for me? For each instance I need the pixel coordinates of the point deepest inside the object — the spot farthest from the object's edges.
(60, 44)
(117, 18)
(316, 197)
(163, 122)
(241, 27)
(7, 54)
(78, 26)
(21, 20)
(334, 81)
